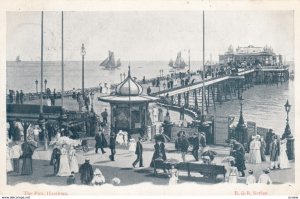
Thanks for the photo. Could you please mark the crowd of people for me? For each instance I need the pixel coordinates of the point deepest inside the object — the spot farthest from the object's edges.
(16, 96)
(275, 148)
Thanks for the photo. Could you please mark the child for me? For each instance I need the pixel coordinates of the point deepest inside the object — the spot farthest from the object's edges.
(115, 181)
(98, 178)
(132, 146)
(251, 178)
(173, 176)
(233, 173)
(71, 179)
(265, 178)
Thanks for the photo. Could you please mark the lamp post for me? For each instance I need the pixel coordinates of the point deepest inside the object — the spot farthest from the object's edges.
(162, 72)
(164, 85)
(288, 135)
(82, 54)
(36, 85)
(45, 85)
(241, 130)
(92, 97)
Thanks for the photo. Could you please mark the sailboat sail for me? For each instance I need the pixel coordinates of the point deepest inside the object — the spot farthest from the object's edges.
(109, 62)
(179, 62)
(105, 62)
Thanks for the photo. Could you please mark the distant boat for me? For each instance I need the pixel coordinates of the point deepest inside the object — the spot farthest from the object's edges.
(179, 63)
(109, 62)
(18, 59)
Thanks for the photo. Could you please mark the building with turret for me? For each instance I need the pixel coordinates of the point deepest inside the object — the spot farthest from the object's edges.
(250, 55)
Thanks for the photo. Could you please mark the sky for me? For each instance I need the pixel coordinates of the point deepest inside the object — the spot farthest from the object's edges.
(146, 35)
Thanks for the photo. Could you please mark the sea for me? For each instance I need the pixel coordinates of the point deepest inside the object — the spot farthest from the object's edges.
(263, 104)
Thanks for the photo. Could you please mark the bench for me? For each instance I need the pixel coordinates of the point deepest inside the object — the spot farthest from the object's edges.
(211, 171)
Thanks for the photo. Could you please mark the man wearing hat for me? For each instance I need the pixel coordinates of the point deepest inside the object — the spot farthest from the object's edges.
(86, 172)
(274, 152)
(112, 146)
(139, 153)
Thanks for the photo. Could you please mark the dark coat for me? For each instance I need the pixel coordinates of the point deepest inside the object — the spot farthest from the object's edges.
(184, 144)
(86, 173)
(203, 140)
(159, 151)
(55, 159)
(139, 148)
(196, 143)
(27, 158)
(239, 155)
(104, 142)
(98, 139)
(112, 142)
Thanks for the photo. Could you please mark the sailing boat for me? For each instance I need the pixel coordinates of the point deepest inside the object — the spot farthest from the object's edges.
(18, 60)
(109, 62)
(179, 63)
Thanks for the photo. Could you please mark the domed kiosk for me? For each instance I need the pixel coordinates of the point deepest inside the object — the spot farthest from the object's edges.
(129, 107)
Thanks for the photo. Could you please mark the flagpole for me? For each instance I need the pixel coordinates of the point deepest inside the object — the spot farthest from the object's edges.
(62, 59)
(129, 77)
(203, 61)
(42, 62)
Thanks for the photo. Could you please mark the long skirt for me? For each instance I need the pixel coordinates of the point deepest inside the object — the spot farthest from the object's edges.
(26, 166)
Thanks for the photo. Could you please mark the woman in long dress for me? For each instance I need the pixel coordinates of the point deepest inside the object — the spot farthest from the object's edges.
(262, 149)
(9, 166)
(283, 159)
(64, 168)
(132, 146)
(254, 156)
(73, 160)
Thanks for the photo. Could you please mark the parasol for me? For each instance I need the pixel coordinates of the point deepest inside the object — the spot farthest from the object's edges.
(162, 137)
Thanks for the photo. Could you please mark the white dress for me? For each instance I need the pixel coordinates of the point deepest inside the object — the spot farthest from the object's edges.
(64, 168)
(251, 179)
(233, 175)
(73, 161)
(283, 159)
(174, 177)
(9, 166)
(264, 179)
(254, 155)
(132, 146)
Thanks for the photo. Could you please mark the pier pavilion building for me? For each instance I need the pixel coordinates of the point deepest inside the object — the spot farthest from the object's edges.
(251, 55)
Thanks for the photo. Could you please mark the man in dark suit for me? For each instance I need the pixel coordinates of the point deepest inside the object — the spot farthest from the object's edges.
(112, 146)
(99, 142)
(196, 143)
(139, 153)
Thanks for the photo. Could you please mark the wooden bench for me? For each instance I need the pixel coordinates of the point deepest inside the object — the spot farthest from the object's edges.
(211, 171)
